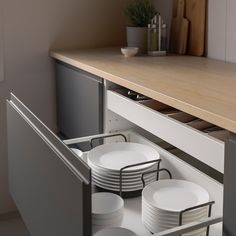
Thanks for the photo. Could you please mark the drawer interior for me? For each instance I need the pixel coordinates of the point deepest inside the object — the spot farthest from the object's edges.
(180, 170)
(196, 137)
(189, 120)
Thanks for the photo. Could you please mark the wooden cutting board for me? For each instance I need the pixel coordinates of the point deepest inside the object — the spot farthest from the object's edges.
(179, 30)
(196, 14)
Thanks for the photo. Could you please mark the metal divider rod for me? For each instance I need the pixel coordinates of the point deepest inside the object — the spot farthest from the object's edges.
(83, 139)
(190, 227)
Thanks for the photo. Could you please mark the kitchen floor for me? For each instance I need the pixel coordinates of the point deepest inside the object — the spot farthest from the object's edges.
(13, 227)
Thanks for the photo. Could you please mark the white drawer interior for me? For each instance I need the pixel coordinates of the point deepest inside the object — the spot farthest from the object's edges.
(171, 126)
(184, 171)
(180, 170)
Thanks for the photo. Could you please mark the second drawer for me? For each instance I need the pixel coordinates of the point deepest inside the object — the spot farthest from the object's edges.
(198, 144)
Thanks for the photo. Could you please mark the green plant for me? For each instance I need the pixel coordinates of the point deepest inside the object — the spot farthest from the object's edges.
(140, 13)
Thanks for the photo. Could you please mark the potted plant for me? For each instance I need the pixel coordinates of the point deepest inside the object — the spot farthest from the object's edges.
(139, 14)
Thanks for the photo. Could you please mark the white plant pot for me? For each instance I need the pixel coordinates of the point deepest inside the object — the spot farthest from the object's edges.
(137, 37)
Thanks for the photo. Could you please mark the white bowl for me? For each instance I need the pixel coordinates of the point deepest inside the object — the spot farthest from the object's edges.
(115, 232)
(109, 222)
(104, 204)
(129, 51)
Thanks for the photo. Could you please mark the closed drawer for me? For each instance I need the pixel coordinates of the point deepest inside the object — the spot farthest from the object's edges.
(198, 144)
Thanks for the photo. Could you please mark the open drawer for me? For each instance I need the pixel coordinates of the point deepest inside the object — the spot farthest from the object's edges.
(51, 186)
(179, 170)
(171, 128)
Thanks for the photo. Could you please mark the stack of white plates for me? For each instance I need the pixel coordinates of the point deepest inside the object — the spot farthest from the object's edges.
(107, 160)
(162, 201)
(107, 210)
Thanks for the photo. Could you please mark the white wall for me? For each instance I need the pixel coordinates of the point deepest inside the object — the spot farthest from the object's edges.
(221, 27)
(32, 27)
(221, 30)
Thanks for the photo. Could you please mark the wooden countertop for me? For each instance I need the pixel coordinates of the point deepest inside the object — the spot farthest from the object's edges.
(202, 87)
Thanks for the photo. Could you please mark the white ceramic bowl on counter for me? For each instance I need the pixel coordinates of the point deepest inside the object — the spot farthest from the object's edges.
(129, 51)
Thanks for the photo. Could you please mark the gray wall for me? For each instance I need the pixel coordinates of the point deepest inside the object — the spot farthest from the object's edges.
(31, 28)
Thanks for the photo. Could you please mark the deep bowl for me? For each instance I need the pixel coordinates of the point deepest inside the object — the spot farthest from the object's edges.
(129, 51)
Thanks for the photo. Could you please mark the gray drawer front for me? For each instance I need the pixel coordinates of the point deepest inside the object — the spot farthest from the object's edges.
(50, 186)
(79, 102)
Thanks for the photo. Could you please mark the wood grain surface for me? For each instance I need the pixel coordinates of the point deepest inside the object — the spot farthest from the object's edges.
(199, 86)
(196, 14)
(179, 30)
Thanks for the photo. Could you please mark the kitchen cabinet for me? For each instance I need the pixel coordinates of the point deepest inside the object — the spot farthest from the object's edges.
(54, 161)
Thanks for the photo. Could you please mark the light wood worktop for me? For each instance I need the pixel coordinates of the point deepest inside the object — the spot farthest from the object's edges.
(202, 87)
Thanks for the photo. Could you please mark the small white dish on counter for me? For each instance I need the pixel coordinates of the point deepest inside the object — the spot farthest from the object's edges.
(129, 51)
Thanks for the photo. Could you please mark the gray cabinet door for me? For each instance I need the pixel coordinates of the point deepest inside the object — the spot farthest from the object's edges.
(79, 102)
(49, 184)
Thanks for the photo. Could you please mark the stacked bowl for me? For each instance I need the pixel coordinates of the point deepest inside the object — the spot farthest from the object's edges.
(107, 210)
(116, 231)
(107, 160)
(162, 202)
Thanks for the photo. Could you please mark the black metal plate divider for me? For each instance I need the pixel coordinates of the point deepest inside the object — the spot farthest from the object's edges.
(158, 161)
(194, 208)
(153, 171)
(107, 136)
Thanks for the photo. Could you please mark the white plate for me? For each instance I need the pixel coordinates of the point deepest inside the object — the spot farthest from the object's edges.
(124, 180)
(117, 185)
(166, 223)
(111, 173)
(115, 156)
(113, 182)
(115, 232)
(117, 188)
(157, 229)
(174, 195)
(190, 215)
(106, 203)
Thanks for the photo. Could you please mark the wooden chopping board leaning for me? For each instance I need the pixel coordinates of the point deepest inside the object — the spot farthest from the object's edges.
(196, 14)
(179, 30)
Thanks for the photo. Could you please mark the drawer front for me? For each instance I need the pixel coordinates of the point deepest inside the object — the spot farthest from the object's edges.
(49, 184)
(79, 103)
(207, 149)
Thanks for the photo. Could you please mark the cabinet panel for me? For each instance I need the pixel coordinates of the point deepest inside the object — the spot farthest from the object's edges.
(50, 186)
